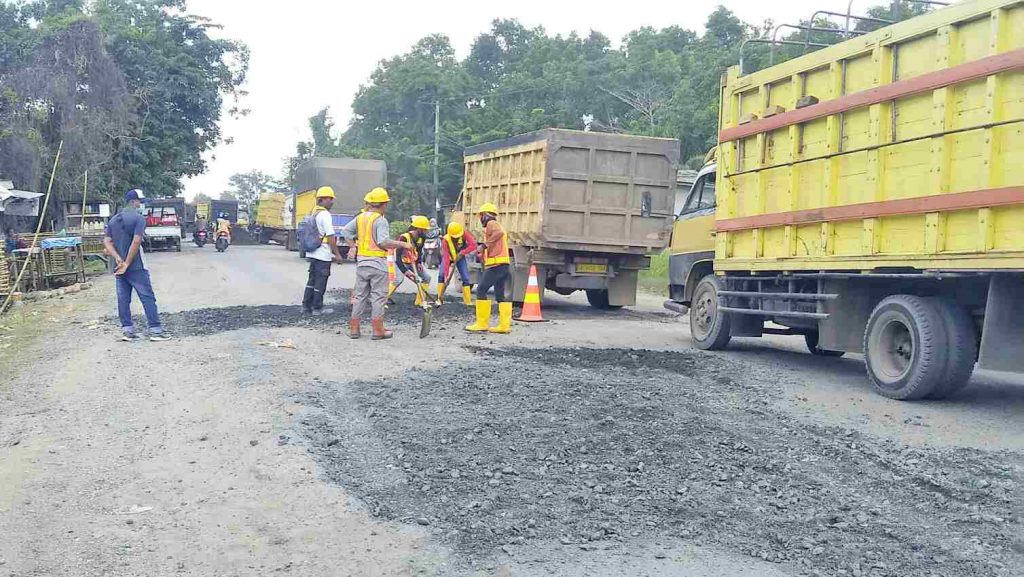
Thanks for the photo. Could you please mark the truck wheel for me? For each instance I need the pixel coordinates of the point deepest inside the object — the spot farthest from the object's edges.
(905, 347)
(962, 336)
(598, 299)
(812, 345)
(177, 246)
(708, 327)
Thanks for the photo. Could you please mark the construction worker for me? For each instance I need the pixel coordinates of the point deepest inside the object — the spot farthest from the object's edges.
(320, 259)
(455, 247)
(370, 233)
(494, 255)
(410, 261)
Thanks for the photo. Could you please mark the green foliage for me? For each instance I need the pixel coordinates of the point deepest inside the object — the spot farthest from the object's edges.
(134, 89)
(398, 227)
(518, 79)
(247, 186)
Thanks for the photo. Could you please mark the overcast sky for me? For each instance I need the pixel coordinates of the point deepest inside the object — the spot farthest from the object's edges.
(307, 54)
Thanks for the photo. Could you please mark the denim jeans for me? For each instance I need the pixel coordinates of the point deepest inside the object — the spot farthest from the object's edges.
(138, 280)
(461, 266)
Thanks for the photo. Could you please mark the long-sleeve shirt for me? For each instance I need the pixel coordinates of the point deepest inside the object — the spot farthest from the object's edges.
(465, 247)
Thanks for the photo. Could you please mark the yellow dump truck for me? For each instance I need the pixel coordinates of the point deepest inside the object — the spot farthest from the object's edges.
(585, 208)
(870, 197)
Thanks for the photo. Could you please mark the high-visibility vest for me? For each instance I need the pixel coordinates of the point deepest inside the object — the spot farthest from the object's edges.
(368, 244)
(453, 251)
(497, 255)
(411, 255)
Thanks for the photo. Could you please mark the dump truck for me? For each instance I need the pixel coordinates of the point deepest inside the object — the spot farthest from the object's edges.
(586, 208)
(866, 197)
(351, 179)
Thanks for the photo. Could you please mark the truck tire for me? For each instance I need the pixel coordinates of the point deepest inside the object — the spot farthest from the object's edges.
(905, 347)
(709, 328)
(962, 337)
(812, 345)
(598, 299)
(177, 246)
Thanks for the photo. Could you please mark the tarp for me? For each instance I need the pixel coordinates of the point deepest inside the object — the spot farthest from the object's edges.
(61, 242)
(18, 202)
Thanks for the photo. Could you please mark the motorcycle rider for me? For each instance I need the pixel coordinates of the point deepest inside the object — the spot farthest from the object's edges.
(223, 226)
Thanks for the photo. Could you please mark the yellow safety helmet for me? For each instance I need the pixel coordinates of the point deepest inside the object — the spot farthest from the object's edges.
(377, 196)
(325, 192)
(456, 230)
(488, 207)
(420, 222)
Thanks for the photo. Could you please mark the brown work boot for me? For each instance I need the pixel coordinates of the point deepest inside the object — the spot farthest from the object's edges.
(353, 329)
(379, 332)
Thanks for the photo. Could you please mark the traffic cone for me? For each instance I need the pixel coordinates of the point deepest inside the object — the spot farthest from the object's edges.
(531, 302)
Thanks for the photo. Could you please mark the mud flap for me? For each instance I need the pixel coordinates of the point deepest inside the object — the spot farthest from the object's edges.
(622, 289)
(1002, 338)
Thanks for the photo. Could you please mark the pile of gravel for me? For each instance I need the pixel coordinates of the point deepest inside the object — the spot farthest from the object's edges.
(586, 446)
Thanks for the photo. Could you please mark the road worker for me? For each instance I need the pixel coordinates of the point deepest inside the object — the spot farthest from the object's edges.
(455, 247)
(320, 259)
(494, 254)
(410, 261)
(370, 234)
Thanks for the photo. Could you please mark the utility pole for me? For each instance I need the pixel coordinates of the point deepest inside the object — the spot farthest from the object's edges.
(437, 138)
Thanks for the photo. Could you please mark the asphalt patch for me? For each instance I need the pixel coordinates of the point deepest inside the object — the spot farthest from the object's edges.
(210, 321)
(589, 447)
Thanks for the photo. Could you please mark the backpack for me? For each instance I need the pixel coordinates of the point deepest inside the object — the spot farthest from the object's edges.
(308, 233)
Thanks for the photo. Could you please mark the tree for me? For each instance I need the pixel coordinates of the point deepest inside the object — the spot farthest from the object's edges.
(247, 186)
(201, 198)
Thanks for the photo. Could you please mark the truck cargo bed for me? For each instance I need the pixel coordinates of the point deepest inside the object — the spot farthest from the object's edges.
(572, 190)
(905, 157)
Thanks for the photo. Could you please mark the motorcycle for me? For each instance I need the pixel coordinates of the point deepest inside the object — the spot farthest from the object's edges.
(199, 237)
(222, 242)
(432, 252)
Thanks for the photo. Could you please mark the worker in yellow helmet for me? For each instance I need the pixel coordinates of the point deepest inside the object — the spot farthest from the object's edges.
(494, 255)
(410, 261)
(455, 247)
(371, 234)
(321, 247)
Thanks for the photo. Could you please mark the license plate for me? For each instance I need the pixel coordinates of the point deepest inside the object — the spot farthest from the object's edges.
(586, 267)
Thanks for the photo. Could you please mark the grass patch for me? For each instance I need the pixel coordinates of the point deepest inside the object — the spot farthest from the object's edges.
(655, 279)
(22, 325)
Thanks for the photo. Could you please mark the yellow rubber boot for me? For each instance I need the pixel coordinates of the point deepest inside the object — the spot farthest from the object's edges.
(419, 294)
(467, 296)
(440, 291)
(504, 319)
(483, 317)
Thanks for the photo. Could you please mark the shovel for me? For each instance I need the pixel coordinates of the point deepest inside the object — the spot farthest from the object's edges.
(428, 312)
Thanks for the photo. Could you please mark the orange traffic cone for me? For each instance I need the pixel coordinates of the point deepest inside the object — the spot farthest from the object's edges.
(531, 302)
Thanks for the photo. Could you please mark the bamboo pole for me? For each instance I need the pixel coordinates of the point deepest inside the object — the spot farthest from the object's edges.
(39, 227)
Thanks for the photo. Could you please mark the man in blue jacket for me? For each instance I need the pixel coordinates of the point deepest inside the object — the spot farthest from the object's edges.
(123, 239)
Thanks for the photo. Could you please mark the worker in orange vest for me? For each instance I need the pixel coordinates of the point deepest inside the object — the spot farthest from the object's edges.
(494, 255)
(371, 234)
(410, 261)
(455, 247)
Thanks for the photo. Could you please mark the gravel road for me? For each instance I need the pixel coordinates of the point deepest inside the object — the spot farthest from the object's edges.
(259, 441)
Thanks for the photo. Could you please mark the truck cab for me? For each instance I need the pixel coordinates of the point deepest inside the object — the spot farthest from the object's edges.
(692, 248)
(163, 227)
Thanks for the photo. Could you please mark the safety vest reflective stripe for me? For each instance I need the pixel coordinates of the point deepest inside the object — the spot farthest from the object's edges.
(364, 228)
(453, 253)
(499, 254)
